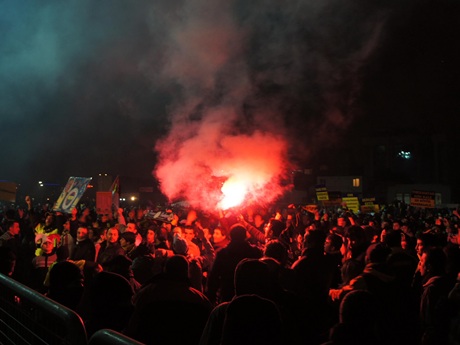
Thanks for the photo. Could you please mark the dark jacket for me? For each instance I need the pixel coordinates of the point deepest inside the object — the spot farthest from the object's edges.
(108, 252)
(84, 250)
(222, 272)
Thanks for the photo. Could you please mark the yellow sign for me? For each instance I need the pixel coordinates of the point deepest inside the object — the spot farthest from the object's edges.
(369, 208)
(352, 203)
(321, 193)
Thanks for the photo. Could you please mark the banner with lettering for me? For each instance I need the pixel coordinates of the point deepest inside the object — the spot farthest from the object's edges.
(72, 193)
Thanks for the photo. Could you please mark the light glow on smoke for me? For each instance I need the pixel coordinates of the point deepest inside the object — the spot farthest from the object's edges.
(223, 172)
(233, 192)
(237, 101)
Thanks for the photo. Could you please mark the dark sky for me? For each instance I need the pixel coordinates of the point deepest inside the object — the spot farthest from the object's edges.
(91, 86)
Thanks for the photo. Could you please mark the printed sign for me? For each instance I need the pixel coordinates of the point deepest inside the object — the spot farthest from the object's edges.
(321, 193)
(422, 199)
(72, 193)
(369, 206)
(104, 202)
(352, 203)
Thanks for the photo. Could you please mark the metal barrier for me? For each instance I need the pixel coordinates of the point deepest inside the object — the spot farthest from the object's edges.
(109, 337)
(27, 317)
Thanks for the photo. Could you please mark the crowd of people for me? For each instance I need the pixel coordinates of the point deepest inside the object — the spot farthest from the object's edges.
(256, 275)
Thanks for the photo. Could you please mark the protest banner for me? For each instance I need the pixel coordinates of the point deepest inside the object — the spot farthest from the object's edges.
(321, 193)
(422, 199)
(351, 202)
(72, 193)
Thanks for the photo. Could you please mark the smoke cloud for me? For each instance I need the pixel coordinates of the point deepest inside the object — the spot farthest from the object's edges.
(257, 87)
(220, 89)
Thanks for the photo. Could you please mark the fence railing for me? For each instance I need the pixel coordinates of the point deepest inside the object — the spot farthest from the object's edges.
(27, 317)
(110, 337)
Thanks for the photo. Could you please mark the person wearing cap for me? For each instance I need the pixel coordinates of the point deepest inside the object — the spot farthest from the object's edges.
(42, 262)
(129, 245)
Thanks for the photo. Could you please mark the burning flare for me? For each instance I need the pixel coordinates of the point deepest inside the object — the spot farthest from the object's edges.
(234, 193)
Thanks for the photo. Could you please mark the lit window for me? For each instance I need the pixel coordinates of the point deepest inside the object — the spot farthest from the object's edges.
(356, 182)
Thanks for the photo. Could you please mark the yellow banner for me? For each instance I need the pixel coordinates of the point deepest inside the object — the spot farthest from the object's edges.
(352, 203)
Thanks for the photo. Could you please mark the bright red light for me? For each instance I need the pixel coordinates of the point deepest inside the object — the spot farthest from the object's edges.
(234, 193)
(211, 170)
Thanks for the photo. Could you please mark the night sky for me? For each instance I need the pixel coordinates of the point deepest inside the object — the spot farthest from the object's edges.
(110, 86)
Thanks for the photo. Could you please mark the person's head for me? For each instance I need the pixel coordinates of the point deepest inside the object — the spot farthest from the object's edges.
(424, 241)
(93, 234)
(127, 240)
(177, 231)
(150, 236)
(219, 235)
(377, 253)
(66, 284)
(110, 291)
(66, 226)
(358, 308)
(189, 234)
(82, 233)
(162, 234)
(144, 268)
(333, 243)
(104, 218)
(131, 227)
(139, 213)
(132, 214)
(13, 228)
(120, 264)
(372, 235)
(433, 262)
(273, 228)
(393, 239)
(276, 250)
(103, 234)
(404, 241)
(314, 239)
(252, 276)
(254, 320)
(356, 236)
(47, 245)
(113, 235)
(207, 234)
(237, 233)
(176, 268)
(341, 221)
(49, 220)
